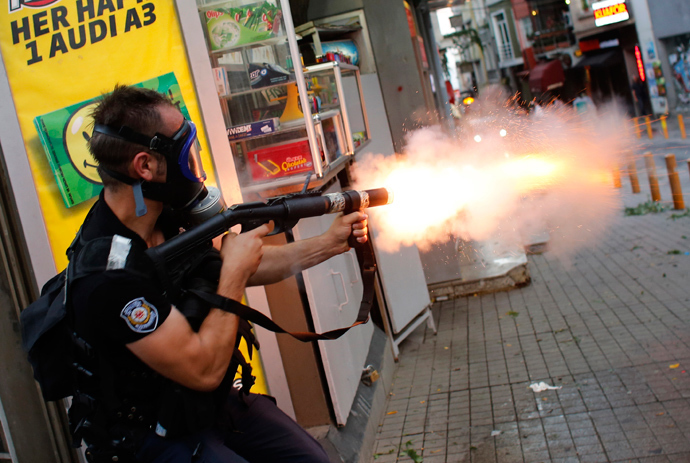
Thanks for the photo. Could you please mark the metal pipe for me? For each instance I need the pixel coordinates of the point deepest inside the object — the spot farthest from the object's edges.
(681, 124)
(617, 178)
(636, 125)
(302, 87)
(651, 174)
(674, 180)
(343, 108)
(649, 127)
(632, 173)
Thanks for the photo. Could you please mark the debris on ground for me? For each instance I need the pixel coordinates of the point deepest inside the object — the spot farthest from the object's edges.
(542, 386)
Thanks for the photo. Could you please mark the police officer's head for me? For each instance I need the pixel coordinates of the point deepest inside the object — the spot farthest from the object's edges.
(131, 123)
(136, 108)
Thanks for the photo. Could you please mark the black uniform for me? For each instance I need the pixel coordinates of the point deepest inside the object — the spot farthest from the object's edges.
(120, 306)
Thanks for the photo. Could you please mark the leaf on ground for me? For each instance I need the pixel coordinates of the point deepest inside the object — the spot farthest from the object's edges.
(377, 455)
(685, 213)
(674, 366)
(412, 453)
(673, 251)
(392, 413)
(512, 313)
(649, 207)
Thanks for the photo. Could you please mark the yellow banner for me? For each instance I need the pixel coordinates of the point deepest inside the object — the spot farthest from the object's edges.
(58, 53)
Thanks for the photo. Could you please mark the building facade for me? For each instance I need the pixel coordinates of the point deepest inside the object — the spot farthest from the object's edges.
(670, 20)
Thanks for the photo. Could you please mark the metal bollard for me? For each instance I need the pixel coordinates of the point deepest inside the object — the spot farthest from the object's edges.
(649, 126)
(681, 125)
(674, 180)
(664, 127)
(632, 173)
(638, 126)
(651, 174)
(617, 177)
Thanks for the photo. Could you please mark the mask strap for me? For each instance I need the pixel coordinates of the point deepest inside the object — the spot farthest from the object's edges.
(139, 203)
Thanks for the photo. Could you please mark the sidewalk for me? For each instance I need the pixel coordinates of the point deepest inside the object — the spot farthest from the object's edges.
(611, 328)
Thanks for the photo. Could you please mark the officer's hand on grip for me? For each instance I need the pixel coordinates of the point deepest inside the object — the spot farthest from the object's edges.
(344, 226)
(241, 256)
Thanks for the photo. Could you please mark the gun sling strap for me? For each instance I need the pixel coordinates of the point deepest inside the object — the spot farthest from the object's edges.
(368, 266)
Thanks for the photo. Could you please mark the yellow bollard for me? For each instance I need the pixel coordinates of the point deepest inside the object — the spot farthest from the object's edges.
(664, 127)
(636, 124)
(674, 180)
(649, 127)
(681, 124)
(651, 174)
(632, 173)
(617, 178)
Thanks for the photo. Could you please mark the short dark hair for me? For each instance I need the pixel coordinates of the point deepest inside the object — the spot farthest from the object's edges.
(138, 109)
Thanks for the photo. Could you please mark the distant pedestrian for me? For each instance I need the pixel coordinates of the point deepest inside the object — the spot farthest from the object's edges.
(639, 92)
(583, 104)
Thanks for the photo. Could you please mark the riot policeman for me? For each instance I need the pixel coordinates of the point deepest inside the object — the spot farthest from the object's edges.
(157, 386)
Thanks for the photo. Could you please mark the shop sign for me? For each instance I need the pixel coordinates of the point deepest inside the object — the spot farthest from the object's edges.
(610, 12)
(640, 64)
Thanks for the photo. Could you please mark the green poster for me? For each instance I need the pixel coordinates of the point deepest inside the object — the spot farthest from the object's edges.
(64, 134)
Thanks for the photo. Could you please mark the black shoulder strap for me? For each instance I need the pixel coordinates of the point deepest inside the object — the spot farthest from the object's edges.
(368, 273)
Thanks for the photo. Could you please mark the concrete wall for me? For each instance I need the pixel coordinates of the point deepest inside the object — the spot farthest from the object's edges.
(323, 8)
(669, 17)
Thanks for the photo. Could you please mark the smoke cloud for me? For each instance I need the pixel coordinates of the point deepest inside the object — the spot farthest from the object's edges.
(504, 174)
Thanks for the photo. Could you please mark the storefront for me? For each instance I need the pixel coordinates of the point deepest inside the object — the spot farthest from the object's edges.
(231, 79)
(607, 64)
(678, 52)
(670, 24)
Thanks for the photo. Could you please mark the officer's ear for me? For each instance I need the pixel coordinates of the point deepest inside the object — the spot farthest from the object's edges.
(148, 167)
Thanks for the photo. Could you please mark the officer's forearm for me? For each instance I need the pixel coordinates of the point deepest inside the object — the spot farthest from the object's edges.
(280, 262)
(217, 339)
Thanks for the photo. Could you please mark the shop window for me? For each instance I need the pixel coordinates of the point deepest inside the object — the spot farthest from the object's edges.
(503, 42)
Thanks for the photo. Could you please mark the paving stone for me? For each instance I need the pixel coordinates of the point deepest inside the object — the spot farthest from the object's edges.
(605, 324)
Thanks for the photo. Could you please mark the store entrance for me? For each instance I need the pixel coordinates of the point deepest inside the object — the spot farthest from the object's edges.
(608, 79)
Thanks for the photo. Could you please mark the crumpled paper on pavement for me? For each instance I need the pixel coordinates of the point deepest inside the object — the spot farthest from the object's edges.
(542, 386)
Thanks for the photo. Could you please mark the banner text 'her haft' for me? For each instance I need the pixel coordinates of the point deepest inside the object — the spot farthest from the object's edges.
(89, 22)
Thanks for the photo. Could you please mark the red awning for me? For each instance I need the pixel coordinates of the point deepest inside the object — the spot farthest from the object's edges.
(546, 76)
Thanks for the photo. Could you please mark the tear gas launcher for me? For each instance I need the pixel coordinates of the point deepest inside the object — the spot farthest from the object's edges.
(284, 211)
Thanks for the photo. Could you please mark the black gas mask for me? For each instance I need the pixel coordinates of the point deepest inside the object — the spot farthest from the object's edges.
(184, 187)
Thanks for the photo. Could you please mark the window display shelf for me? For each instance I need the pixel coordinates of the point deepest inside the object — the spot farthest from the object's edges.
(274, 141)
(259, 43)
(258, 90)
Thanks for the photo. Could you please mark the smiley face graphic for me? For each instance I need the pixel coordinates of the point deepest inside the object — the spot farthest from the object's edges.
(76, 136)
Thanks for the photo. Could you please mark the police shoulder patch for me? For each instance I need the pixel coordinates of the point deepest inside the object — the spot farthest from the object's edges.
(141, 316)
